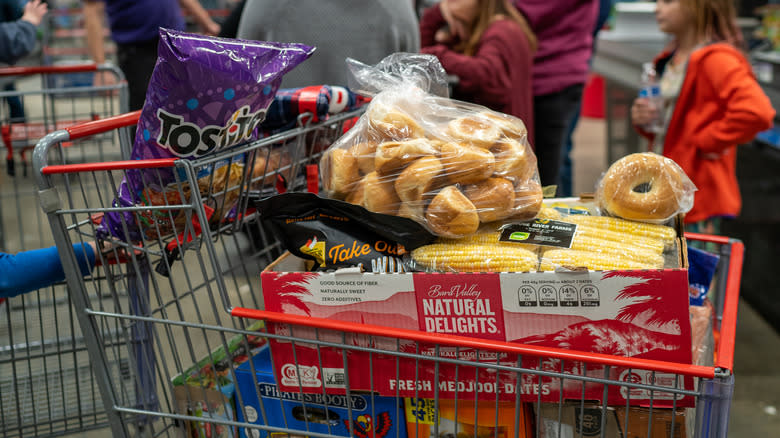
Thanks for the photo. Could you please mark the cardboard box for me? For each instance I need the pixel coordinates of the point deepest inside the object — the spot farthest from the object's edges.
(372, 416)
(586, 420)
(421, 415)
(206, 388)
(577, 420)
(638, 314)
(667, 423)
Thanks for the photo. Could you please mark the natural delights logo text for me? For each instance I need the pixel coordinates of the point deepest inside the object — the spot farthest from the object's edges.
(186, 139)
(458, 310)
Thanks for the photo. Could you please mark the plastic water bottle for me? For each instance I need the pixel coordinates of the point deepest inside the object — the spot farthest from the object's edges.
(651, 90)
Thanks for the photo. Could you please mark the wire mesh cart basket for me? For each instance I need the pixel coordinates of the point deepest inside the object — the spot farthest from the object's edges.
(43, 360)
(182, 311)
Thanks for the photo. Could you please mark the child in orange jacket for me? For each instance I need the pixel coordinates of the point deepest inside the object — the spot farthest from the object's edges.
(712, 103)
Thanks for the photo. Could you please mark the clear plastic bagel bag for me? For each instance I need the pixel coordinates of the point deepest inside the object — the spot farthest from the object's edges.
(645, 187)
(416, 153)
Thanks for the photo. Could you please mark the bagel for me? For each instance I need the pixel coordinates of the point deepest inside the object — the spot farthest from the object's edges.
(364, 153)
(343, 173)
(494, 198)
(528, 200)
(642, 187)
(379, 194)
(392, 157)
(513, 159)
(357, 195)
(418, 179)
(464, 164)
(510, 127)
(473, 129)
(389, 123)
(451, 214)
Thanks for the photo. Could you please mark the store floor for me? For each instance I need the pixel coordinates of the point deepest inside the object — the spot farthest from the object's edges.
(757, 388)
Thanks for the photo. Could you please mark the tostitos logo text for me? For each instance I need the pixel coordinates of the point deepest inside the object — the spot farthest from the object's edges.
(185, 139)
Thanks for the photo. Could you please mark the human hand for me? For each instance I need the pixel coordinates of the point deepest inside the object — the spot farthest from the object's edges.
(111, 253)
(34, 11)
(643, 112)
(460, 15)
(104, 79)
(435, 50)
(443, 36)
(211, 28)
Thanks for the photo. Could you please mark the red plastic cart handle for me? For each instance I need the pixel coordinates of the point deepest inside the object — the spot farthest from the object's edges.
(86, 129)
(47, 69)
(482, 344)
(109, 165)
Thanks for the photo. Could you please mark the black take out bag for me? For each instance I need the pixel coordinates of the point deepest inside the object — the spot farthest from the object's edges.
(336, 234)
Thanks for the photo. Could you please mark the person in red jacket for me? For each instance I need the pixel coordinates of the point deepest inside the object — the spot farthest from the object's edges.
(489, 46)
(712, 103)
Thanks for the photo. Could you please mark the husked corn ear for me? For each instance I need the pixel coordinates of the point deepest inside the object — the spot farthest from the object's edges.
(648, 243)
(480, 237)
(549, 213)
(601, 229)
(554, 258)
(486, 238)
(472, 257)
(661, 232)
(625, 250)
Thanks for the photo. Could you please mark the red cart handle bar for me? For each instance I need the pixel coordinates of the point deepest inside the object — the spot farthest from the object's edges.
(481, 344)
(93, 127)
(109, 165)
(48, 69)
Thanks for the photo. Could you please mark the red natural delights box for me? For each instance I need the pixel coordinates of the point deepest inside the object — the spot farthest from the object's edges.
(639, 314)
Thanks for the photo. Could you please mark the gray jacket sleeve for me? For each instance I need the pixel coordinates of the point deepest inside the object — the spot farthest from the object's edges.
(17, 38)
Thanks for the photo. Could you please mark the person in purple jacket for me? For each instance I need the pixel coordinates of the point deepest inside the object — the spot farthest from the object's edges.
(564, 30)
(135, 28)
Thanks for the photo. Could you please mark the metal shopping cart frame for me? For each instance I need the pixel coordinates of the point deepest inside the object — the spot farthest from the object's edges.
(170, 336)
(46, 386)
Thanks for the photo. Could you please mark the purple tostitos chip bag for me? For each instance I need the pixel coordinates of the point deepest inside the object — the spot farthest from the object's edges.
(205, 95)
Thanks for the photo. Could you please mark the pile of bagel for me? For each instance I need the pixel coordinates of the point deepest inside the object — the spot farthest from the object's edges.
(450, 173)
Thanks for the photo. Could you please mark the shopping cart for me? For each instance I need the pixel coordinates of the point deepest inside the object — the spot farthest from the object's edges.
(43, 361)
(201, 259)
(193, 336)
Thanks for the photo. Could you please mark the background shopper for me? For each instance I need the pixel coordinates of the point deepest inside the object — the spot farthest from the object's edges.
(134, 28)
(564, 31)
(366, 30)
(712, 103)
(489, 46)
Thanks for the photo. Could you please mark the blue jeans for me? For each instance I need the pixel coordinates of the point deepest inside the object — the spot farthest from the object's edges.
(566, 183)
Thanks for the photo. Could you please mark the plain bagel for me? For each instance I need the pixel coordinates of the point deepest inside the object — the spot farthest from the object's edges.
(643, 186)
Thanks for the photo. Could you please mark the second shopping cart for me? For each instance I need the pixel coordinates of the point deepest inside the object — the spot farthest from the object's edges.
(43, 360)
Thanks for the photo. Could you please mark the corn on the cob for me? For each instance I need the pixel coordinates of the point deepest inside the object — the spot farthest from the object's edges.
(648, 243)
(660, 232)
(485, 238)
(474, 257)
(586, 239)
(549, 213)
(554, 258)
(624, 250)
(600, 228)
